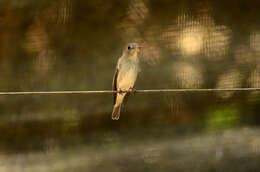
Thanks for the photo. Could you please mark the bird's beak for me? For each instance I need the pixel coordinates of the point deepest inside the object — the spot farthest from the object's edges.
(138, 48)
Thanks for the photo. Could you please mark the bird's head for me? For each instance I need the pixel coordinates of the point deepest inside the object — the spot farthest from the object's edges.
(132, 50)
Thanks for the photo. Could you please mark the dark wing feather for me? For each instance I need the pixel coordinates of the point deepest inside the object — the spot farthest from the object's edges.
(114, 84)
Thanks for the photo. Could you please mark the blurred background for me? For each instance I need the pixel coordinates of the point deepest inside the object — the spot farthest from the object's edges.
(48, 45)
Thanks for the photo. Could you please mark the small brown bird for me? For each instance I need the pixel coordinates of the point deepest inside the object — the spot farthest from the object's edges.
(125, 76)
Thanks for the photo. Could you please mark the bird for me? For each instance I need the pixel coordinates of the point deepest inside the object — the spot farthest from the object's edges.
(126, 73)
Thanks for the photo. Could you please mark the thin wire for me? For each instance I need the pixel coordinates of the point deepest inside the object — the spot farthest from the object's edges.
(129, 91)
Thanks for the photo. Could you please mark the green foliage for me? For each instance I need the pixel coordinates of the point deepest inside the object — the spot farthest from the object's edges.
(222, 117)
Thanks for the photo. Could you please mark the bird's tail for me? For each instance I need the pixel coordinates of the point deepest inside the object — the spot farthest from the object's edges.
(116, 112)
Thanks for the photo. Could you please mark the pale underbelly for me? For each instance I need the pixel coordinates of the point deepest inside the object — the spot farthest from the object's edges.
(127, 80)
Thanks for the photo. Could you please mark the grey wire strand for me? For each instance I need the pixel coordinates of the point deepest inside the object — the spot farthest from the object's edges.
(128, 91)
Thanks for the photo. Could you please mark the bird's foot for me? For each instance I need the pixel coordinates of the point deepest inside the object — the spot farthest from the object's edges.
(120, 91)
(132, 90)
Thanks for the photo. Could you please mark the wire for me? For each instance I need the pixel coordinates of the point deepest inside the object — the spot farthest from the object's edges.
(129, 91)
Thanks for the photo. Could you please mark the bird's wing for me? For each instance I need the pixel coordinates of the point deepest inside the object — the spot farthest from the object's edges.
(114, 84)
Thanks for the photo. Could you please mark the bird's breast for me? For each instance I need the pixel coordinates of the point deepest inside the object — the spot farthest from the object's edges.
(127, 76)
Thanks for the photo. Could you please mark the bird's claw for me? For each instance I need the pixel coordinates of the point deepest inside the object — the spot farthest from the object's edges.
(120, 91)
(132, 90)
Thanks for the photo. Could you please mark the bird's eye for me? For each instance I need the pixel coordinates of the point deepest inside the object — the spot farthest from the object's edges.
(128, 47)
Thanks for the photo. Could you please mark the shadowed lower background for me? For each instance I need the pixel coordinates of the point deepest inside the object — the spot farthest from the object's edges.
(74, 45)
